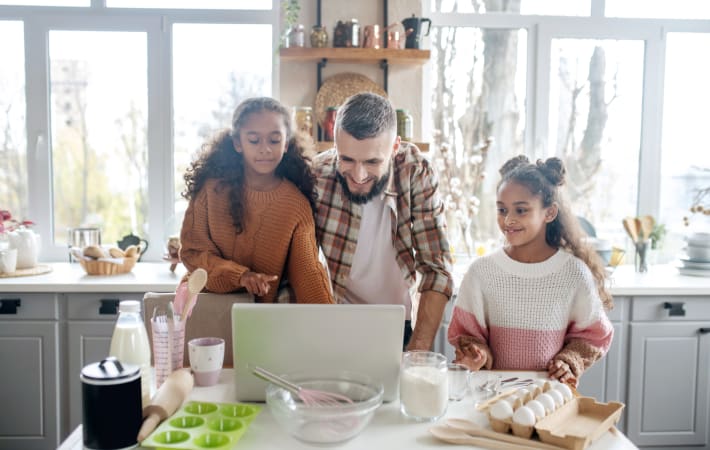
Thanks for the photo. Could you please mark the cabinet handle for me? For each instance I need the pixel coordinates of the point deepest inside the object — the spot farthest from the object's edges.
(9, 305)
(109, 307)
(704, 330)
(675, 308)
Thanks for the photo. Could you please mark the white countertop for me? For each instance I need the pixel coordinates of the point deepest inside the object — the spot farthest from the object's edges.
(388, 429)
(156, 277)
(70, 277)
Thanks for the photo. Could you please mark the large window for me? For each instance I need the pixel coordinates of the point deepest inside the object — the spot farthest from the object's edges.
(589, 88)
(13, 142)
(113, 107)
(99, 153)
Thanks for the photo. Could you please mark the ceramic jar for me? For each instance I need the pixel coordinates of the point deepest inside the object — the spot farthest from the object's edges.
(27, 244)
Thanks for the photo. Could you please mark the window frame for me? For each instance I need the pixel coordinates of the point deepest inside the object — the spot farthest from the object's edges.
(158, 25)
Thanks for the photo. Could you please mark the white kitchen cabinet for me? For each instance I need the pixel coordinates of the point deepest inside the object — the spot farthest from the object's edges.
(606, 379)
(90, 322)
(669, 372)
(29, 392)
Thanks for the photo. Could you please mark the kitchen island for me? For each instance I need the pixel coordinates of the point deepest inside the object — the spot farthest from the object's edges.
(388, 429)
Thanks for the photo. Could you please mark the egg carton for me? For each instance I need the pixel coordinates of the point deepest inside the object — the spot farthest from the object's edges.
(207, 425)
(573, 425)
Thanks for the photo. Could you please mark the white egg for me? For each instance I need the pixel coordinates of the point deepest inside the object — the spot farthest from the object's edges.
(501, 410)
(524, 394)
(537, 408)
(544, 385)
(566, 392)
(510, 399)
(557, 397)
(547, 402)
(524, 416)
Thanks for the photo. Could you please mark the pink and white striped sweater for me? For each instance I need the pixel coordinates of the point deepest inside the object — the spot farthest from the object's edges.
(529, 313)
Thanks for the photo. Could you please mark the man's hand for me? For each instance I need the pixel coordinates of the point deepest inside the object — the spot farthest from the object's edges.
(431, 310)
(257, 283)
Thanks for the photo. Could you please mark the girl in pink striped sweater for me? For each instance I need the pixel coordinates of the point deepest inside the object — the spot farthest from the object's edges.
(539, 302)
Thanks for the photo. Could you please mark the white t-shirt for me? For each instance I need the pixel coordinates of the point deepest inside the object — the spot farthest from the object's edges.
(375, 276)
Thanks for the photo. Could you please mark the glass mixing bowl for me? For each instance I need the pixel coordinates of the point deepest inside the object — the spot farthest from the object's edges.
(325, 423)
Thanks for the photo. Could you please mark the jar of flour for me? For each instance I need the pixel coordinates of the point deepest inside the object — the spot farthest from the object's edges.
(423, 386)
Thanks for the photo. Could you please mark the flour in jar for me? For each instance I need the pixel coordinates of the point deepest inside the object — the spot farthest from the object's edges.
(424, 392)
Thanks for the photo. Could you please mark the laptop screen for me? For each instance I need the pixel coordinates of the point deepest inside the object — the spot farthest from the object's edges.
(290, 338)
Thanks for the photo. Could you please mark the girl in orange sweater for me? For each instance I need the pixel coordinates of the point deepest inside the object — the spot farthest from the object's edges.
(249, 221)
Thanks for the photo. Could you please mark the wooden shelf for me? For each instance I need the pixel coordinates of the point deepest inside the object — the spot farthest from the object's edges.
(325, 145)
(392, 55)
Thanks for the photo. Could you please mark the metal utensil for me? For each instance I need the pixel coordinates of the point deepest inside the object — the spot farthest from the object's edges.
(309, 397)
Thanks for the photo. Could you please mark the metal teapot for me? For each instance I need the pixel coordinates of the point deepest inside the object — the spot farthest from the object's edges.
(413, 30)
(132, 239)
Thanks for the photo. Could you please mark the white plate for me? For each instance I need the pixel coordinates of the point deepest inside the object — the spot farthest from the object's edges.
(705, 243)
(692, 264)
(698, 253)
(694, 272)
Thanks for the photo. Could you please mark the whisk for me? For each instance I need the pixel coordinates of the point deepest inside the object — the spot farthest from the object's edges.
(309, 397)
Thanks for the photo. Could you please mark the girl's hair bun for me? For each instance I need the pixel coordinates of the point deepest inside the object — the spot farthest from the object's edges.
(553, 169)
(513, 163)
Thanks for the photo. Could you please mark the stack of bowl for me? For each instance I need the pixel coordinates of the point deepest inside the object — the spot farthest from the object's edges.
(696, 261)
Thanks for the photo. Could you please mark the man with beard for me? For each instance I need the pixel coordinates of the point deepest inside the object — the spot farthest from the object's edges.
(380, 219)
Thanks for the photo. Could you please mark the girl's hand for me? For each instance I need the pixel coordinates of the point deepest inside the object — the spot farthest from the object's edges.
(561, 371)
(257, 283)
(471, 356)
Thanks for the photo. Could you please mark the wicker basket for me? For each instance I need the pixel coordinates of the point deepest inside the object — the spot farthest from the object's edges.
(99, 267)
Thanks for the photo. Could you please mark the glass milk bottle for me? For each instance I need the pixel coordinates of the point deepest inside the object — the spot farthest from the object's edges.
(129, 343)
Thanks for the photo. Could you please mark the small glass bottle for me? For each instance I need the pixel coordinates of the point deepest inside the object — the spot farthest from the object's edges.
(129, 343)
(329, 124)
(404, 125)
(303, 119)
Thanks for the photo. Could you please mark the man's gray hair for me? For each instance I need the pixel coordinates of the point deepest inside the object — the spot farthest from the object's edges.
(366, 115)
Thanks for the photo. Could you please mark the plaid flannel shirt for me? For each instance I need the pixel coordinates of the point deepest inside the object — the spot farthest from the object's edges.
(418, 224)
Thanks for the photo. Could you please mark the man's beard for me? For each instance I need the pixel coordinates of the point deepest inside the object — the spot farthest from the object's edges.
(361, 199)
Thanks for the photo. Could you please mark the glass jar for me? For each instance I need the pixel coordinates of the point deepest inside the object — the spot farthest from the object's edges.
(404, 125)
(329, 124)
(303, 119)
(297, 36)
(423, 386)
(319, 37)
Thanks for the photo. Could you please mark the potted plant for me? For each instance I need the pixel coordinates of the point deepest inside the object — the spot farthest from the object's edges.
(291, 10)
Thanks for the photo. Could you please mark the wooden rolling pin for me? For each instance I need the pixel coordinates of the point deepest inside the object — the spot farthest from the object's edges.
(167, 400)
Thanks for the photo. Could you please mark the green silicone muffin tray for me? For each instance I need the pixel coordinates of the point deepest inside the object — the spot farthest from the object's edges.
(199, 425)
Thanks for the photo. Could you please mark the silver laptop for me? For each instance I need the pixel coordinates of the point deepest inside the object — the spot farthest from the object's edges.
(287, 338)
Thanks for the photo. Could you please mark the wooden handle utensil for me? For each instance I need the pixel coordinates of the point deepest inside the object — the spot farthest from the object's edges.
(472, 429)
(454, 436)
(631, 229)
(167, 400)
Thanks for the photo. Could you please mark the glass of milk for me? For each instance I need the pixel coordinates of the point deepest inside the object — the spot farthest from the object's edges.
(423, 386)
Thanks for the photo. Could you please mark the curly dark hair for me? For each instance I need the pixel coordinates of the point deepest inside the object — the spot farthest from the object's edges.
(544, 178)
(218, 159)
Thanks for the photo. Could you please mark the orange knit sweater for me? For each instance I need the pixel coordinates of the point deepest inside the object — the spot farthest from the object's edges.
(278, 239)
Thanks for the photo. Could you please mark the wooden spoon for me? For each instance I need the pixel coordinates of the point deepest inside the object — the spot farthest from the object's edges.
(453, 436)
(647, 224)
(195, 284)
(630, 227)
(473, 429)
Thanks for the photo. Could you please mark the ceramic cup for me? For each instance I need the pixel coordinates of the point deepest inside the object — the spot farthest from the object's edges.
(206, 358)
